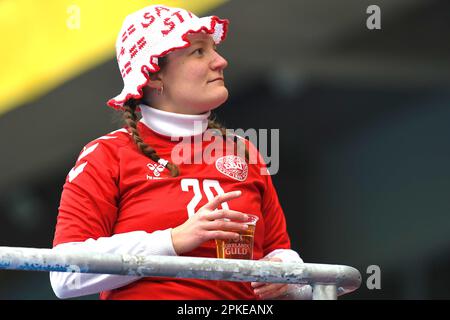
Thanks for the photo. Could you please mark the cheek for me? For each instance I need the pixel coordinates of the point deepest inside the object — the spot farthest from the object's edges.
(188, 77)
(196, 73)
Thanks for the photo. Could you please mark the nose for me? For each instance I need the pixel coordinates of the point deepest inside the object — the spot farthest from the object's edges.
(218, 62)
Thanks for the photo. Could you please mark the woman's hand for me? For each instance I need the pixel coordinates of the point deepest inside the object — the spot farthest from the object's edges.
(207, 224)
(268, 291)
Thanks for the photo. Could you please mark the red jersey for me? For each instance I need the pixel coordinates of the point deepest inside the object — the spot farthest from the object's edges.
(114, 188)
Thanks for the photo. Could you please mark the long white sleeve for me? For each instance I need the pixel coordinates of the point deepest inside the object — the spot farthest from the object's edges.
(295, 291)
(69, 285)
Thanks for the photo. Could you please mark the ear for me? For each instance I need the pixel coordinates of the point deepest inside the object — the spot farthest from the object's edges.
(155, 81)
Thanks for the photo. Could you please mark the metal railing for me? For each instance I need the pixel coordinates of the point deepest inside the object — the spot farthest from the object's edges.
(327, 281)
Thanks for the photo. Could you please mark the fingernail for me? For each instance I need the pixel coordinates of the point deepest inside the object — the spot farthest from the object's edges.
(239, 192)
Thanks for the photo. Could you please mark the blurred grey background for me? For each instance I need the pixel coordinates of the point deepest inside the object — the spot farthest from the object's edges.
(364, 137)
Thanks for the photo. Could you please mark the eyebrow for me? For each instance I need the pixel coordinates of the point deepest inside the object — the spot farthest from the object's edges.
(203, 41)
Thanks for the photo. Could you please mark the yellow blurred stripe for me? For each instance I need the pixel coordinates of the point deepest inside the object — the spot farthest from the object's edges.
(47, 42)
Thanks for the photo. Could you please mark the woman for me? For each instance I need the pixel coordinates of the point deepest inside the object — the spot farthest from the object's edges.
(130, 193)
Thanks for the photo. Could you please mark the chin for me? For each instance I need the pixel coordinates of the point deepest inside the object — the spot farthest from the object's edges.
(213, 102)
(219, 99)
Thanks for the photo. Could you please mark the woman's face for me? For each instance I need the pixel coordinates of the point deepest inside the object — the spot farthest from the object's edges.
(193, 77)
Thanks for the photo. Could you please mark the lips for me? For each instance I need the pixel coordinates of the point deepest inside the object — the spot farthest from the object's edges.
(216, 79)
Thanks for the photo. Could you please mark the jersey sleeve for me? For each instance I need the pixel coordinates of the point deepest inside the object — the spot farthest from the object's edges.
(88, 206)
(276, 235)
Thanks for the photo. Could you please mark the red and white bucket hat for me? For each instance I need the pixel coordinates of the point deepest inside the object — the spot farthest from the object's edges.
(150, 33)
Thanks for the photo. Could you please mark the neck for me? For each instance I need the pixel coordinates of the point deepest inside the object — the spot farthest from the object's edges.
(174, 124)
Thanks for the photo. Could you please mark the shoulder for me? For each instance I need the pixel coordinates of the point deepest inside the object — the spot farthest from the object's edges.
(250, 142)
(100, 155)
(254, 157)
(113, 140)
(119, 137)
(108, 144)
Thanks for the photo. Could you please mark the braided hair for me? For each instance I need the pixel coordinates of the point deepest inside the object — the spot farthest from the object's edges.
(130, 118)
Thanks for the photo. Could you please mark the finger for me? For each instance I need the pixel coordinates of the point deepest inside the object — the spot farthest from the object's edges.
(257, 284)
(276, 293)
(269, 287)
(275, 259)
(222, 235)
(228, 214)
(226, 226)
(213, 204)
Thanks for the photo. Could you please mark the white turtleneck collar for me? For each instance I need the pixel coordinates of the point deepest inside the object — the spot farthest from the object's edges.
(174, 124)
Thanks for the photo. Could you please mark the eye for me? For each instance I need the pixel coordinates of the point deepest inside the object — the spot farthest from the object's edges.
(198, 50)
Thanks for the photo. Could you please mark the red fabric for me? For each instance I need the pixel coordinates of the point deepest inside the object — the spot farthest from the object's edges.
(112, 194)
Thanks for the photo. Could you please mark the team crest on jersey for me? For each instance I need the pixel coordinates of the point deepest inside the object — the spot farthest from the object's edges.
(233, 166)
(156, 169)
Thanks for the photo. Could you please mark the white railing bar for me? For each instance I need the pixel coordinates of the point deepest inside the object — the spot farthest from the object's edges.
(344, 279)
